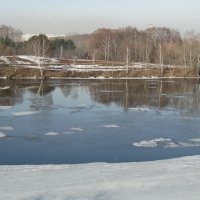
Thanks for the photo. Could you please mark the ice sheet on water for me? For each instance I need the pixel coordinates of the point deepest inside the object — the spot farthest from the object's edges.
(167, 143)
(77, 129)
(68, 132)
(153, 143)
(24, 113)
(6, 128)
(2, 134)
(110, 126)
(5, 107)
(51, 133)
(195, 140)
(140, 109)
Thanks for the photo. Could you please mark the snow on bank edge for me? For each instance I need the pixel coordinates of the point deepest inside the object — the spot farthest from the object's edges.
(163, 180)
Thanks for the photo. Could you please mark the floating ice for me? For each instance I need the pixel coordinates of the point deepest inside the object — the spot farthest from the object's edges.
(5, 107)
(77, 129)
(6, 128)
(153, 143)
(2, 134)
(51, 134)
(110, 126)
(195, 140)
(167, 143)
(143, 109)
(68, 132)
(26, 113)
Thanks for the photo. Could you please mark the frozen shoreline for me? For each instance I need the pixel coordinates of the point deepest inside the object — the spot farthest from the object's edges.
(166, 179)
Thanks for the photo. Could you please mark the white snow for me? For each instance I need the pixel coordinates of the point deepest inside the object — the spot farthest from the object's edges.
(6, 128)
(52, 134)
(175, 179)
(110, 126)
(23, 113)
(5, 88)
(5, 59)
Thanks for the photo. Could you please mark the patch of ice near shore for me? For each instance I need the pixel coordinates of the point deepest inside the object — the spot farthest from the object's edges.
(6, 128)
(5, 107)
(2, 134)
(24, 113)
(110, 126)
(140, 109)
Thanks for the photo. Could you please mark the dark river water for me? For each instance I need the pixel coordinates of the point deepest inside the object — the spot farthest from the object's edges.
(81, 121)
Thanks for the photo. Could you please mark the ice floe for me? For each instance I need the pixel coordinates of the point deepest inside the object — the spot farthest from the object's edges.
(195, 140)
(51, 133)
(110, 126)
(5, 107)
(2, 134)
(68, 132)
(142, 109)
(167, 143)
(77, 129)
(152, 143)
(6, 128)
(24, 113)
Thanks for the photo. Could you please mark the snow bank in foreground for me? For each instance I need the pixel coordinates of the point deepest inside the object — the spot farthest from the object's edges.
(158, 180)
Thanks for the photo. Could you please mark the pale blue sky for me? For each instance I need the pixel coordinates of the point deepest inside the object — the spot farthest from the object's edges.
(85, 16)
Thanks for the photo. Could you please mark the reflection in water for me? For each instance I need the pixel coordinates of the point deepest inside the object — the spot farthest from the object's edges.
(156, 94)
(78, 121)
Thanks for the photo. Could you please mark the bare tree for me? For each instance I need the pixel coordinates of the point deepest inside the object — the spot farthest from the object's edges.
(39, 46)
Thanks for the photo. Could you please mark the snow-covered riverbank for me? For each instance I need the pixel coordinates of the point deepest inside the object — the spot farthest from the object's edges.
(30, 67)
(159, 180)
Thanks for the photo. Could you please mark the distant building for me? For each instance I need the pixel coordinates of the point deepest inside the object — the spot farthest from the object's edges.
(150, 26)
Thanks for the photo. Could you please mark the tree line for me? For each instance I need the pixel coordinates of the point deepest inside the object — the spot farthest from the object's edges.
(153, 45)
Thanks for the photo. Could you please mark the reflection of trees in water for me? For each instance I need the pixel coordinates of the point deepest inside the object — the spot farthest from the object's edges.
(181, 95)
(41, 97)
(66, 89)
(11, 96)
(73, 89)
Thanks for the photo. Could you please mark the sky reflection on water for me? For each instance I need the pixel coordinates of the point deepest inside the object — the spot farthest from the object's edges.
(80, 121)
